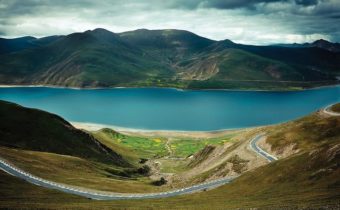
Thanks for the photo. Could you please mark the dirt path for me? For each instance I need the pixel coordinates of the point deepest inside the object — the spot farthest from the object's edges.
(168, 147)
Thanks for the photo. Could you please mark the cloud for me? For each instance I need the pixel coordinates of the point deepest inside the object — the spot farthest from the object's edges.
(306, 2)
(220, 4)
(245, 21)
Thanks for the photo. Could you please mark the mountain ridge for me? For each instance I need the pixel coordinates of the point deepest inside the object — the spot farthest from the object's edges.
(36, 130)
(162, 58)
(320, 43)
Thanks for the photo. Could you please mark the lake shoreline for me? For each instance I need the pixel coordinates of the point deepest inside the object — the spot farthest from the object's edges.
(156, 87)
(92, 127)
(158, 111)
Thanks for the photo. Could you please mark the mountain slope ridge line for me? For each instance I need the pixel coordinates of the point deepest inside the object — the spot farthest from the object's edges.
(164, 58)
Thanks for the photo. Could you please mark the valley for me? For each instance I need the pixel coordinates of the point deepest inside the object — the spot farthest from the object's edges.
(185, 160)
(170, 105)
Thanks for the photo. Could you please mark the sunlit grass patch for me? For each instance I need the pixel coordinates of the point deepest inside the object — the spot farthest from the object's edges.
(187, 147)
(141, 147)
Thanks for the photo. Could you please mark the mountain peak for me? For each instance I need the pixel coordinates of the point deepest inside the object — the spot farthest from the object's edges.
(227, 41)
(104, 35)
(23, 38)
(166, 39)
(321, 41)
(326, 45)
(100, 31)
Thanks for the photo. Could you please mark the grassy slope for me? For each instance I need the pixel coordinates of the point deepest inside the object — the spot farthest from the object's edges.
(303, 58)
(335, 107)
(145, 147)
(37, 130)
(293, 182)
(79, 172)
(92, 58)
(306, 133)
(186, 147)
(64, 154)
(309, 178)
(132, 146)
(240, 65)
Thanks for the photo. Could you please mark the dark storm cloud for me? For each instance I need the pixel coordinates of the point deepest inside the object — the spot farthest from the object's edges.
(248, 21)
(307, 2)
(233, 4)
(220, 4)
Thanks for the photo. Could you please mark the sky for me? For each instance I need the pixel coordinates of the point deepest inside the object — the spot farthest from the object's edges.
(258, 22)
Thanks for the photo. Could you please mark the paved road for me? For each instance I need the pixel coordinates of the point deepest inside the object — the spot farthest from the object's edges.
(102, 195)
(329, 112)
(258, 150)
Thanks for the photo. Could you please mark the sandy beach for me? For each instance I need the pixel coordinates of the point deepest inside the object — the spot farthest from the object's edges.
(157, 133)
(178, 89)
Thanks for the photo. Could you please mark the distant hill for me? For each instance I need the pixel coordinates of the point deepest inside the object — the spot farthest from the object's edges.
(22, 43)
(171, 58)
(333, 47)
(36, 130)
(17, 44)
(321, 43)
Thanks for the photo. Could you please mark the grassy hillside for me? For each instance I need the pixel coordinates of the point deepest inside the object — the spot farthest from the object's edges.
(80, 172)
(165, 58)
(287, 184)
(234, 64)
(92, 58)
(307, 133)
(12, 45)
(49, 147)
(306, 178)
(335, 107)
(155, 147)
(32, 129)
(133, 147)
(309, 179)
(22, 43)
(168, 46)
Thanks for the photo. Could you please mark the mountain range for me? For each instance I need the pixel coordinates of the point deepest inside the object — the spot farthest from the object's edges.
(321, 43)
(164, 58)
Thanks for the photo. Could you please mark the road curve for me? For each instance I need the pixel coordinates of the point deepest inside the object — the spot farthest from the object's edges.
(327, 110)
(103, 195)
(258, 150)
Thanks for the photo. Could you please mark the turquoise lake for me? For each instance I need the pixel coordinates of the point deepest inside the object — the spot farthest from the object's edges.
(171, 109)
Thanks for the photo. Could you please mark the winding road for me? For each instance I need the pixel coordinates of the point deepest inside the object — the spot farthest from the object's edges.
(258, 150)
(327, 110)
(102, 195)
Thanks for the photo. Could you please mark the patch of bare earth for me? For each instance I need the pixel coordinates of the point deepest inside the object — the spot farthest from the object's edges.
(201, 69)
(229, 160)
(283, 152)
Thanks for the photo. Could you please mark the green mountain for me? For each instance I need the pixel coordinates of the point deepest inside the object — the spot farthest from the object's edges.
(12, 45)
(168, 46)
(174, 58)
(36, 130)
(27, 42)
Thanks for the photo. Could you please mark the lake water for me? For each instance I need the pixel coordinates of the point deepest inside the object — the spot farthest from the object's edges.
(171, 109)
